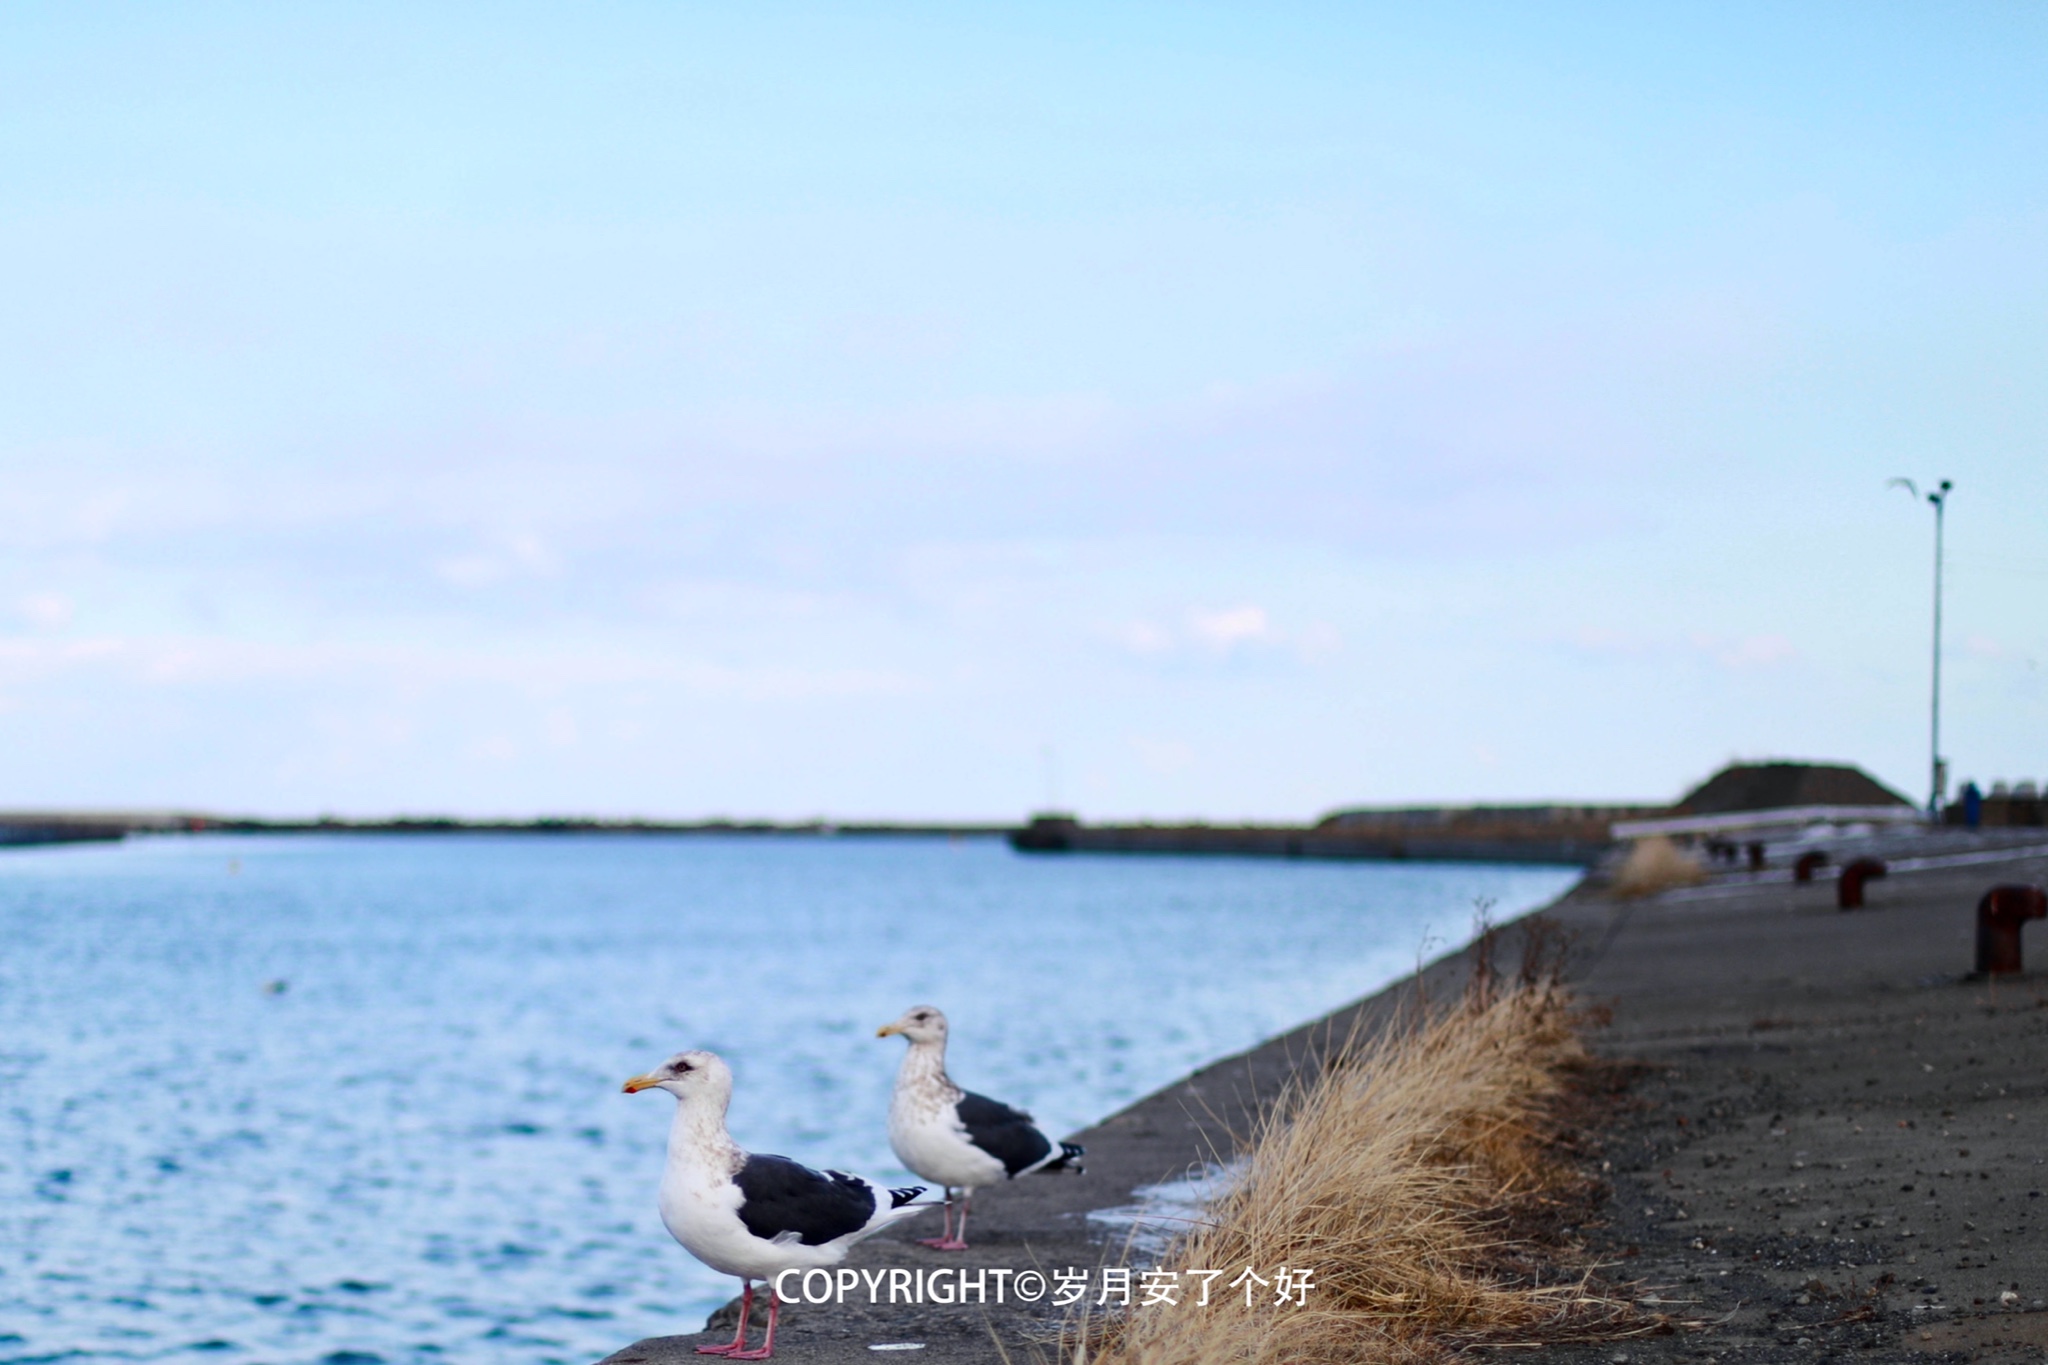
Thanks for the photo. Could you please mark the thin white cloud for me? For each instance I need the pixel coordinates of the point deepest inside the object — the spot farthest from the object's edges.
(1164, 757)
(45, 610)
(1224, 632)
(1143, 638)
(495, 749)
(1608, 640)
(520, 555)
(470, 571)
(1766, 650)
(1231, 628)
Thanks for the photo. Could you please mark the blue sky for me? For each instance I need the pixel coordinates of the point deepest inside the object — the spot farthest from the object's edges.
(934, 411)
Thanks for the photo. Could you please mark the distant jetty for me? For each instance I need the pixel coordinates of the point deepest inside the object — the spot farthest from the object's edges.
(33, 827)
(1574, 836)
(62, 827)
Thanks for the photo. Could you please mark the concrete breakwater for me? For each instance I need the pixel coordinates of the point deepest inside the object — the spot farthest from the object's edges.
(1575, 836)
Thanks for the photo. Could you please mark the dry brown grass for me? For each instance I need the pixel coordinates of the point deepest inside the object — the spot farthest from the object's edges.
(1656, 864)
(1405, 1176)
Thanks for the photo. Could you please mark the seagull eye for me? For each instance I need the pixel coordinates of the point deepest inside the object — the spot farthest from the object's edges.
(679, 1067)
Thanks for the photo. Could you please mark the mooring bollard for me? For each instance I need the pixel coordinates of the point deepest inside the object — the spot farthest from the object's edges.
(1999, 917)
(1849, 886)
(1756, 857)
(1802, 871)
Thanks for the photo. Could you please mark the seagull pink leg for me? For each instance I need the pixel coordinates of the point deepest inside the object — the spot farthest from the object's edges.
(739, 1343)
(945, 1242)
(956, 1233)
(766, 1348)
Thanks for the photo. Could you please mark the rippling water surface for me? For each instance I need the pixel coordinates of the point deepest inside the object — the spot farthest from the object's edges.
(356, 1099)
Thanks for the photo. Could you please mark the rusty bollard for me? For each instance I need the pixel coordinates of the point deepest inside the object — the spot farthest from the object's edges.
(1999, 917)
(1849, 886)
(1756, 857)
(1802, 871)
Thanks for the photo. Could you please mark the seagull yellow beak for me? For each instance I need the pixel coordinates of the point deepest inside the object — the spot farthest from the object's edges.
(888, 1030)
(639, 1083)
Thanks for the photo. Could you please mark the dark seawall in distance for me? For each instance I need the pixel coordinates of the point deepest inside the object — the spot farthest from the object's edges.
(1573, 836)
(59, 827)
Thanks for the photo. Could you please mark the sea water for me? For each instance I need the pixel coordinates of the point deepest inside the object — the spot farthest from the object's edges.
(355, 1099)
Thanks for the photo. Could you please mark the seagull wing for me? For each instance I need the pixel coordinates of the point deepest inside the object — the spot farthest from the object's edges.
(781, 1198)
(1004, 1133)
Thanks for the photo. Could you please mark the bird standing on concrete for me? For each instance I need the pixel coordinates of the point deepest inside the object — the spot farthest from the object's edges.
(754, 1216)
(954, 1137)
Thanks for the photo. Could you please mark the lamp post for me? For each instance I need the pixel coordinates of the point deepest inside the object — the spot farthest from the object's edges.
(1937, 774)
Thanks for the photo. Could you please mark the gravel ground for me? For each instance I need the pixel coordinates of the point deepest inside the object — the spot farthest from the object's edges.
(1834, 1148)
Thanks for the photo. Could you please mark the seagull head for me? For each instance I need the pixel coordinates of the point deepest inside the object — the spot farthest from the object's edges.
(919, 1023)
(686, 1075)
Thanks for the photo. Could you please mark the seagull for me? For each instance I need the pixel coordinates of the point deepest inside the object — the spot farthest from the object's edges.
(754, 1216)
(955, 1137)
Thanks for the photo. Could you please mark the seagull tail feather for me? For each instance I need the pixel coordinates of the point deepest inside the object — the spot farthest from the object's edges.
(1069, 1158)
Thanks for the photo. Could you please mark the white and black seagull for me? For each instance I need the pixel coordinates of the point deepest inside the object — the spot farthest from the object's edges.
(754, 1216)
(954, 1137)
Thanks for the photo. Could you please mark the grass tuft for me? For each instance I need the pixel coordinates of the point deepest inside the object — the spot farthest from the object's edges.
(1656, 864)
(1411, 1174)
